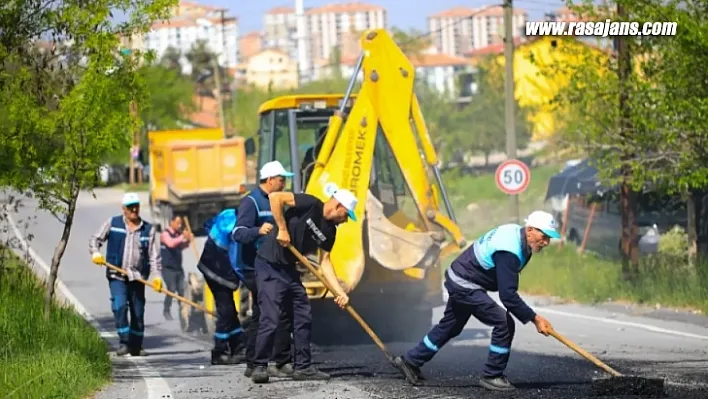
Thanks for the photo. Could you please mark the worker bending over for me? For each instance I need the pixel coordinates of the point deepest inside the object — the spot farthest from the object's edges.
(133, 246)
(310, 224)
(173, 240)
(254, 221)
(492, 263)
(220, 275)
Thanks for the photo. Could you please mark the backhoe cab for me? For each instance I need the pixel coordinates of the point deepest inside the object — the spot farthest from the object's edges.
(374, 143)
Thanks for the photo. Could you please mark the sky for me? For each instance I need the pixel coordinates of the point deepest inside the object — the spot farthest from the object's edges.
(400, 13)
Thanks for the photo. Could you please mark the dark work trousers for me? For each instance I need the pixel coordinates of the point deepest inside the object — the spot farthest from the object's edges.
(174, 280)
(462, 304)
(227, 337)
(280, 289)
(282, 348)
(128, 297)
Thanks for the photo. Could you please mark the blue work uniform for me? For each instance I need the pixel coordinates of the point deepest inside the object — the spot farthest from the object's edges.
(127, 297)
(492, 263)
(253, 211)
(279, 285)
(223, 280)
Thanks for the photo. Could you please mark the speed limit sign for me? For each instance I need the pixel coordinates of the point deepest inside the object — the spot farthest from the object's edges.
(512, 176)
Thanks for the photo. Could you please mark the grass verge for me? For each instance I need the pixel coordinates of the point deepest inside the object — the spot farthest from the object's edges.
(563, 272)
(63, 357)
(589, 279)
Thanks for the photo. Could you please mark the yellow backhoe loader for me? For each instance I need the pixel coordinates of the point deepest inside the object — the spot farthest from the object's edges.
(376, 144)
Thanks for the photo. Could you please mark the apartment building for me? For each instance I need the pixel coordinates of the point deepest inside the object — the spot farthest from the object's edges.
(326, 27)
(191, 22)
(458, 30)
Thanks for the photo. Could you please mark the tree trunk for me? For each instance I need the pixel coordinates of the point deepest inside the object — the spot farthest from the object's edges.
(630, 250)
(691, 230)
(59, 253)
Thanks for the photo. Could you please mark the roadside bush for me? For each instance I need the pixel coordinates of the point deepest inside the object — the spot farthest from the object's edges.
(674, 244)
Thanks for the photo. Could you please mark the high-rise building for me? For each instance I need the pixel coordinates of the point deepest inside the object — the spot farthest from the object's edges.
(326, 28)
(191, 22)
(459, 30)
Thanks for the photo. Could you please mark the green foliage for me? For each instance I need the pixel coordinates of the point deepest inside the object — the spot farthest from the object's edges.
(65, 357)
(169, 96)
(667, 100)
(674, 244)
(478, 127)
(587, 278)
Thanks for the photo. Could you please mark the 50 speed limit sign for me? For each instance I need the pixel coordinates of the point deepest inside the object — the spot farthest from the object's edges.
(512, 176)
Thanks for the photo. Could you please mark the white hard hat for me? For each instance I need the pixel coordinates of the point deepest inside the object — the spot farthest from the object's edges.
(130, 199)
(543, 221)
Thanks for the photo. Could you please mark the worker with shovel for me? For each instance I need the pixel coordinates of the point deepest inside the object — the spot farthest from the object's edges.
(492, 263)
(173, 240)
(133, 246)
(255, 220)
(310, 224)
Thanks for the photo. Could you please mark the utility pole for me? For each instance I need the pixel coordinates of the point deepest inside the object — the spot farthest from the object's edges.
(302, 59)
(510, 102)
(217, 73)
(135, 145)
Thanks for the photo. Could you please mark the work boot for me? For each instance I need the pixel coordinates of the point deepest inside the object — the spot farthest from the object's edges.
(498, 383)
(218, 359)
(122, 350)
(311, 374)
(260, 375)
(138, 352)
(412, 373)
(249, 371)
(283, 371)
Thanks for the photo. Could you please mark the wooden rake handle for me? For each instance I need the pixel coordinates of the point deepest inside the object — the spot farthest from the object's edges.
(192, 242)
(163, 291)
(572, 345)
(353, 313)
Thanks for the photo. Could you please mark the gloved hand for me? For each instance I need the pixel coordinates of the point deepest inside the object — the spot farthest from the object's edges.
(157, 284)
(98, 258)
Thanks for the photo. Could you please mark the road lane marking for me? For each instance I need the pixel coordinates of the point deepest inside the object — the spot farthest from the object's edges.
(647, 327)
(156, 386)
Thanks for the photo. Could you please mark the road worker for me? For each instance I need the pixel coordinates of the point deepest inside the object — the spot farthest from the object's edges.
(173, 240)
(254, 221)
(222, 279)
(492, 263)
(309, 224)
(132, 245)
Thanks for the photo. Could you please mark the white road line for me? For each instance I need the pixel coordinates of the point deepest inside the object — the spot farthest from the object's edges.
(155, 385)
(647, 327)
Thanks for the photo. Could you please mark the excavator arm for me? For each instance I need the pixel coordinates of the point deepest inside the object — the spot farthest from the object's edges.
(385, 107)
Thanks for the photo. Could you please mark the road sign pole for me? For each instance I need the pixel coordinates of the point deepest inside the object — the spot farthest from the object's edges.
(510, 112)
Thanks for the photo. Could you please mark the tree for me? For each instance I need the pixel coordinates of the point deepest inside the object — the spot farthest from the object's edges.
(66, 108)
(169, 96)
(642, 114)
(171, 59)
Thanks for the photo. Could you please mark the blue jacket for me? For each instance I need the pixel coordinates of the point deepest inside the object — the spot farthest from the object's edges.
(493, 263)
(116, 245)
(253, 211)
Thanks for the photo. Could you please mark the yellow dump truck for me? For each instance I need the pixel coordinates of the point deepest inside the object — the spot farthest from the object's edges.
(195, 173)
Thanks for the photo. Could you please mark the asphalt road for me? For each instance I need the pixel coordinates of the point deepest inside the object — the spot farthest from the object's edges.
(656, 345)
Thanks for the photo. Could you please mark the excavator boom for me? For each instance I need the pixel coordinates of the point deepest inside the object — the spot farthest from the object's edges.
(385, 119)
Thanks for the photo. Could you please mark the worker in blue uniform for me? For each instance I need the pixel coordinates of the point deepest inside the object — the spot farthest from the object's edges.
(255, 220)
(132, 245)
(492, 263)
